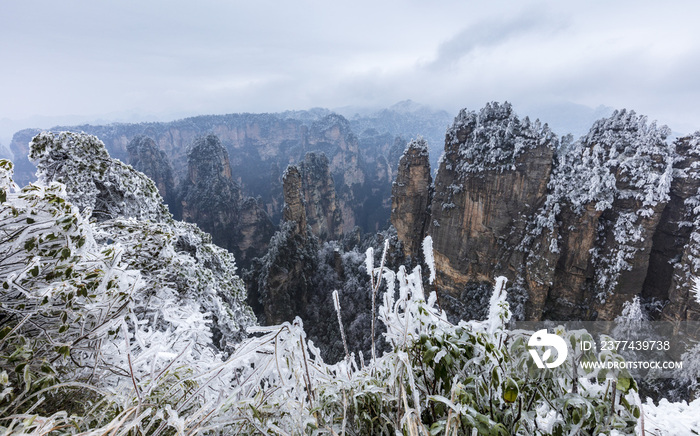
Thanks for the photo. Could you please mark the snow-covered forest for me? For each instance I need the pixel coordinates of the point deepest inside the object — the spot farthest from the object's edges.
(117, 319)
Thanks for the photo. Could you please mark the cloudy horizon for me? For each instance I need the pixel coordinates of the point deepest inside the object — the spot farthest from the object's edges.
(161, 60)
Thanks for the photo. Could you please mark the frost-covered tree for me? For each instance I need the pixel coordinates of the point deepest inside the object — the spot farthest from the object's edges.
(93, 180)
(493, 138)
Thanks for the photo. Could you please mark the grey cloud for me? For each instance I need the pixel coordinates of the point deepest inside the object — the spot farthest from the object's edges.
(172, 56)
(491, 32)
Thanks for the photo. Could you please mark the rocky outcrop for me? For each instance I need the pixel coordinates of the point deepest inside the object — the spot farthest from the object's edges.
(323, 214)
(297, 275)
(579, 229)
(145, 156)
(606, 202)
(411, 195)
(310, 198)
(279, 283)
(210, 197)
(675, 258)
(491, 182)
(294, 208)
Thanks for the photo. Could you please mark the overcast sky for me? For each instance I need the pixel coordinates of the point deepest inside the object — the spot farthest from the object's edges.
(173, 58)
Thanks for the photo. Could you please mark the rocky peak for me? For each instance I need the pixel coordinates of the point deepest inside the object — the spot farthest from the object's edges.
(491, 181)
(279, 283)
(145, 156)
(294, 208)
(323, 214)
(410, 196)
(207, 158)
(332, 126)
(209, 196)
(94, 180)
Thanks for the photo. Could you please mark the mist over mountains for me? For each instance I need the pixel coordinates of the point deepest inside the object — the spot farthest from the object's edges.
(488, 208)
(563, 118)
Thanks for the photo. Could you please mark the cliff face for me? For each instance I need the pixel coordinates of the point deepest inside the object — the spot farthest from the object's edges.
(323, 213)
(677, 242)
(579, 229)
(411, 195)
(491, 182)
(333, 137)
(294, 206)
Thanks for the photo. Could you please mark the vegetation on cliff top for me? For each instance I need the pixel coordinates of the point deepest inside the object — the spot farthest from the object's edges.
(132, 325)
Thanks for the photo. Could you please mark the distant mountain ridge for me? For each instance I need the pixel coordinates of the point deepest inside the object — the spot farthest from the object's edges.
(362, 157)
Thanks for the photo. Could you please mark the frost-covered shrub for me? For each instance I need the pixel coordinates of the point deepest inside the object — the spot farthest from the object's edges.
(93, 180)
(116, 325)
(86, 344)
(179, 258)
(437, 378)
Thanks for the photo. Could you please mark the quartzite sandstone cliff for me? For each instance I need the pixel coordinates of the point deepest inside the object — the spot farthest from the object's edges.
(411, 195)
(578, 228)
